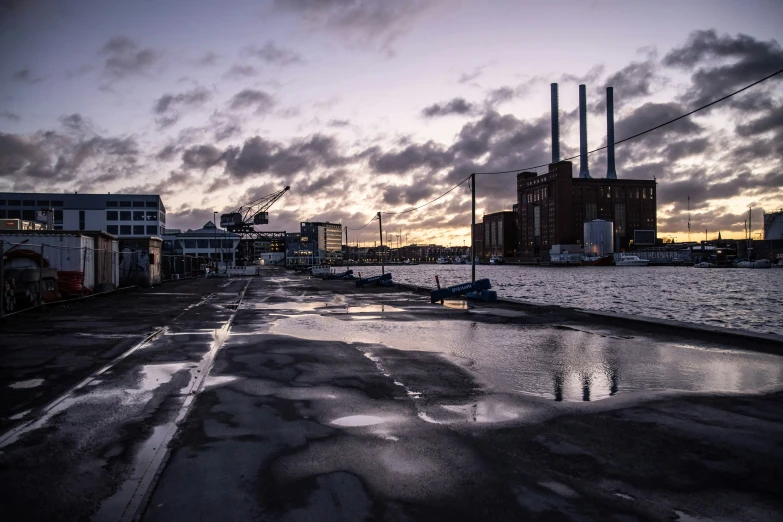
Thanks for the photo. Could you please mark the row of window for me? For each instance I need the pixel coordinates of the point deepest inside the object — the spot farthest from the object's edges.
(148, 204)
(31, 203)
(136, 230)
(136, 215)
(208, 243)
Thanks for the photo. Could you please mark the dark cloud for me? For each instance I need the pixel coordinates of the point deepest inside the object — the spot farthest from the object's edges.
(124, 58)
(338, 123)
(76, 122)
(771, 121)
(454, 106)
(723, 63)
(167, 153)
(258, 155)
(252, 98)
(10, 116)
(273, 54)
(468, 77)
(429, 155)
(500, 95)
(37, 161)
(25, 76)
(168, 107)
(635, 80)
(651, 114)
(367, 24)
(591, 76)
(202, 157)
(679, 149)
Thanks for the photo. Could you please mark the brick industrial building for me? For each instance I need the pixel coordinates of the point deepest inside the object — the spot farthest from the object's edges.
(553, 207)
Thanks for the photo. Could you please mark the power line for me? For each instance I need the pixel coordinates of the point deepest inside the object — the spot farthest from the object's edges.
(431, 201)
(361, 227)
(592, 151)
(648, 130)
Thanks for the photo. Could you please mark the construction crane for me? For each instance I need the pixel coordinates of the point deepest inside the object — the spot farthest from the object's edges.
(243, 220)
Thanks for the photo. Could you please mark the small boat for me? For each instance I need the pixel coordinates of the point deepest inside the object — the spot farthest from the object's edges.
(321, 270)
(626, 260)
(443, 261)
(409, 262)
(605, 260)
(705, 264)
(496, 260)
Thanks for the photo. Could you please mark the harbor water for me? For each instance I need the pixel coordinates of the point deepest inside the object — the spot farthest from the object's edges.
(732, 298)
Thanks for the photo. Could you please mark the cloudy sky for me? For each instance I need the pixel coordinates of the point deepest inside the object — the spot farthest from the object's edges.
(368, 105)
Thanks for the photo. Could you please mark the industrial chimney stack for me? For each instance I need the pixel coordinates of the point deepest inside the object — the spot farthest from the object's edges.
(610, 171)
(555, 126)
(584, 172)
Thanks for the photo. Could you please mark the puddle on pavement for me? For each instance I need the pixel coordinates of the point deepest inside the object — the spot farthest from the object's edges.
(556, 363)
(20, 415)
(30, 383)
(354, 421)
(456, 304)
(218, 380)
(156, 375)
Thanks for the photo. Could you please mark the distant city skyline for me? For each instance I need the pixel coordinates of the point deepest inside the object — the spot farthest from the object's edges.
(364, 106)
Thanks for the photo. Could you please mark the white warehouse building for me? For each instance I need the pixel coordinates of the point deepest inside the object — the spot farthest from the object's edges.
(123, 215)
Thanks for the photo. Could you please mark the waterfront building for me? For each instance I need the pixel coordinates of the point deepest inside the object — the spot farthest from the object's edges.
(208, 241)
(553, 208)
(122, 215)
(324, 240)
(500, 234)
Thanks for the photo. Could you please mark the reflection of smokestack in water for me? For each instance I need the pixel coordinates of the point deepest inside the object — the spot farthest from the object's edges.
(555, 127)
(610, 172)
(583, 170)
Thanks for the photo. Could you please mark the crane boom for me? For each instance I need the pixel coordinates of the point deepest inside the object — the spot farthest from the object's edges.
(244, 218)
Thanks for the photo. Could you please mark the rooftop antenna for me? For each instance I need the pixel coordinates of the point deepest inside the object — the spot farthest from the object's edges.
(689, 219)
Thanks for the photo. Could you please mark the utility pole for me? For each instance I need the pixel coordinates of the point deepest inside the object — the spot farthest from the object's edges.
(689, 219)
(380, 229)
(473, 227)
(214, 251)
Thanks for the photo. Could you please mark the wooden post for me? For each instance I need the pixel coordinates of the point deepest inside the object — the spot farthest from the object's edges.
(437, 282)
(380, 252)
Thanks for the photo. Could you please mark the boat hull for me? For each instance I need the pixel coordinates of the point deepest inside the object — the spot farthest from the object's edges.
(597, 261)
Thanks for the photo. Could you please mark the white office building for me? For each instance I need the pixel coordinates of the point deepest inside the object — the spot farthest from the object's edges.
(123, 215)
(208, 241)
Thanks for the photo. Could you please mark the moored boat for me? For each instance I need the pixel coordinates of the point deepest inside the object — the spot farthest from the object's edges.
(443, 261)
(759, 263)
(495, 260)
(628, 260)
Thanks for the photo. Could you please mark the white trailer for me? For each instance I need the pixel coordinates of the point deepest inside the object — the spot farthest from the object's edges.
(64, 251)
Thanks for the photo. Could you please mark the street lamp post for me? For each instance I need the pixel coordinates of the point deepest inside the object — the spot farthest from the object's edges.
(214, 245)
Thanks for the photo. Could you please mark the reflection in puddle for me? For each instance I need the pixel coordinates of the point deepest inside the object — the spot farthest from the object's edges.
(30, 383)
(456, 304)
(357, 420)
(556, 363)
(20, 415)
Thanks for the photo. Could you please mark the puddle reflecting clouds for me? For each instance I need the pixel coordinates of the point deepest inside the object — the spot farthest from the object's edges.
(557, 363)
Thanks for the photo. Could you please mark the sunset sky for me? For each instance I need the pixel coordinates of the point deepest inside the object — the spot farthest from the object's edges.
(371, 105)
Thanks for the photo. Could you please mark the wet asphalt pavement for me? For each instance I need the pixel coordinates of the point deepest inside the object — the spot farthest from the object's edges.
(314, 401)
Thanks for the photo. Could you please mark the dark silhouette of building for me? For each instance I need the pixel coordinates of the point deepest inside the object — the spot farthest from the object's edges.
(500, 234)
(553, 207)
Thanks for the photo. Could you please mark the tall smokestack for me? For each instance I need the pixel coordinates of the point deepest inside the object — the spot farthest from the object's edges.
(584, 172)
(555, 126)
(610, 172)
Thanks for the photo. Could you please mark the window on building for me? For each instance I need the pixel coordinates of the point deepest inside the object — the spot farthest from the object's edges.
(2, 202)
(537, 221)
(111, 215)
(151, 204)
(28, 214)
(14, 214)
(58, 227)
(138, 215)
(619, 219)
(138, 203)
(190, 243)
(111, 203)
(125, 215)
(81, 220)
(14, 202)
(57, 203)
(43, 203)
(486, 235)
(2, 213)
(163, 217)
(152, 230)
(58, 216)
(138, 230)
(152, 215)
(29, 202)
(591, 211)
(125, 230)
(125, 203)
(500, 234)
(112, 229)
(202, 243)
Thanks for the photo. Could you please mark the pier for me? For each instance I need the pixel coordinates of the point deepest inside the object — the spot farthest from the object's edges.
(285, 396)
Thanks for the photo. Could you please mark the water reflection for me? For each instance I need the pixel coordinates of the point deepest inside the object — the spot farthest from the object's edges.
(556, 363)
